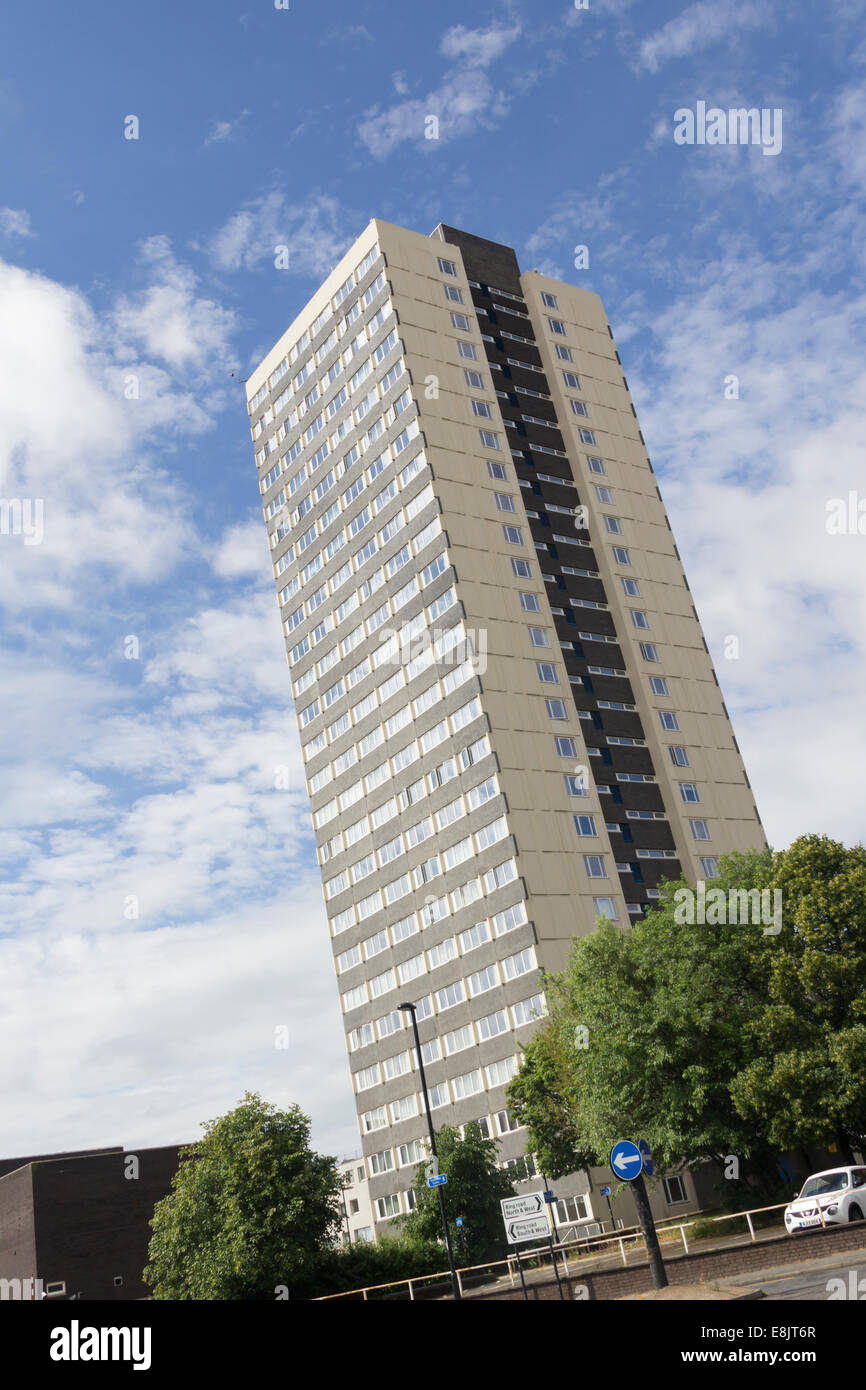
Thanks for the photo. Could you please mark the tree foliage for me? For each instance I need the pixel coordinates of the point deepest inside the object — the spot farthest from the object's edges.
(251, 1208)
(714, 1038)
(474, 1190)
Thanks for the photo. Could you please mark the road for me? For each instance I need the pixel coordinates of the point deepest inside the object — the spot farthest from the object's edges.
(808, 1282)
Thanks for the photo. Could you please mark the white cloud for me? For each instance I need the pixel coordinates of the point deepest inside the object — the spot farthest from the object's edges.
(478, 47)
(169, 320)
(463, 103)
(225, 130)
(15, 222)
(316, 232)
(699, 26)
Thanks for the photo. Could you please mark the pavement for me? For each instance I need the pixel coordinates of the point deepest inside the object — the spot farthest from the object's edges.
(806, 1281)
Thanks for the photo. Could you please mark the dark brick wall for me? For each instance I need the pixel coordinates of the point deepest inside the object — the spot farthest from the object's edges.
(17, 1244)
(8, 1165)
(699, 1268)
(92, 1222)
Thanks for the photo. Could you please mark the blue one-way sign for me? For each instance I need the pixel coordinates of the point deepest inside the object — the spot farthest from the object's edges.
(649, 1166)
(626, 1160)
(438, 1181)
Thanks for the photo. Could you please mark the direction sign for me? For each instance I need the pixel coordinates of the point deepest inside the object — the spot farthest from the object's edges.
(649, 1166)
(438, 1181)
(604, 1191)
(626, 1160)
(532, 1204)
(459, 1221)
(527, 1228)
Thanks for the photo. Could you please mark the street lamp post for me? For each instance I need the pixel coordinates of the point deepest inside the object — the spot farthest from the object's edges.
(455, 1283)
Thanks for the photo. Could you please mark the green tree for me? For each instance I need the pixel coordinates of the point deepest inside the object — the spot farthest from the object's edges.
(807, 1079)
(251, 1208)
(475, 1188)
(714, 1038)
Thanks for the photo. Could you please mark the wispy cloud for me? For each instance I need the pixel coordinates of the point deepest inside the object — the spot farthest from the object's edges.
(698, 27)
(225, 130)
(464, 102)
(14, 222)
(316, 232)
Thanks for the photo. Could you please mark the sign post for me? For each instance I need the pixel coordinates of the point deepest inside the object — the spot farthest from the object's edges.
(605, 1192)
(526, 1218)
(627, 1161)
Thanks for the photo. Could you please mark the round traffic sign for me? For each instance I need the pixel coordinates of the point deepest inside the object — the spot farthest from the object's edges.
(626, 1160)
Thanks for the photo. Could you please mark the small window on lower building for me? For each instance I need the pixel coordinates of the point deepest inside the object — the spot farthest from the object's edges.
(353, 1207)
(364, 1234)
(710, 867)
(675, 1190)
(556, 709)
(571, 1209)
(387, 1206)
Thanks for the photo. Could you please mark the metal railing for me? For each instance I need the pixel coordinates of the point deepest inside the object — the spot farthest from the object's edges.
(626, 1239)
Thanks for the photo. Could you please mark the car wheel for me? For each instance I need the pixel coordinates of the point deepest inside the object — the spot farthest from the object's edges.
(854, 1213)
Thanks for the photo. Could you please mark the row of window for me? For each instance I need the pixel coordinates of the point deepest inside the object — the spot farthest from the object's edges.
(495, 1074)
(437, 909)
(446, 950)
(412, 547)
(306, 338)
(449, 645)
(291, 409)
(371, 821)
(421, 830)
(470, 1035)
(425, 872)
(355, 560)
(399, 760)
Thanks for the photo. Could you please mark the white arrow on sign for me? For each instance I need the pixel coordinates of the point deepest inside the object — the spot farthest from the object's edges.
(625, 1161)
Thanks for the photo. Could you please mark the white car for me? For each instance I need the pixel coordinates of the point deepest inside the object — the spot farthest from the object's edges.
(830, 1198)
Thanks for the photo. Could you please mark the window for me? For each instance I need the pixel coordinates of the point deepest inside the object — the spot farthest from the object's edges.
(505, 1122)
(452, 293)
(630, 587)
(668, 720)
(382, 1162)
(497, 470)
(500, 1073)
(450, 995)
(504, 501)
(488, 439)
(620, 554)
(557, 326)
(566, 747)
(605, 907)
(571, 1209)
(556, 709)
(700, 830)
(460, 321)
(564, 353)
(467, 349)
(649, 651)
(585, 825)
(710, 868)
(639, 618)
(679, 756)
(613, 525)
(513, 534)
(483, 980)
(474, 379)
(579, 408)
(689, 791)
(521, 568)
(587, 436)
(492, 1025)
(518, 964)
(387, 1206)
(675, 1190)
(459, 1040)
(547, 672)
(446, 267)
(538, 637)
(575, 786)
(482, 408)
(549, 300)
(530, 603)
(594, 865)
(658, 685)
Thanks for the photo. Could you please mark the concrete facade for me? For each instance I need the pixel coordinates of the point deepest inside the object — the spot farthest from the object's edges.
(479, 672)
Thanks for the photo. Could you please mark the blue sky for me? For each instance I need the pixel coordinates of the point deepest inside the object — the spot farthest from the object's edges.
(161, 914)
